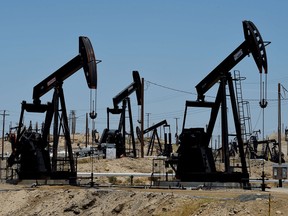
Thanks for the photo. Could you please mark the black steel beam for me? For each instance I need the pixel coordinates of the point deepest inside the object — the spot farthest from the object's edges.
(85, 59)
(253, 44)
(134, 86)
(164, 122)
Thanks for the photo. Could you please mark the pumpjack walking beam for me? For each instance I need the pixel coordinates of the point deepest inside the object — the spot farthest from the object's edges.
(85, 59)
(253, 43)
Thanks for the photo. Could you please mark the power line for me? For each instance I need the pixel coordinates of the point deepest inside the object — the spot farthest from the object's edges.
(166, 87)
(186, 92)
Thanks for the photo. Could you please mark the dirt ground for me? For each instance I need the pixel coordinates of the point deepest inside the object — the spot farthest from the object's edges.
(106, 199)
(68, 200)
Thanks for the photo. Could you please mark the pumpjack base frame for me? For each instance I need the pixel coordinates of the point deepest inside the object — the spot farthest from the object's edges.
(67, 175)
(53, 175)
(215, 177)
(210, 177)
(234, 177)
(197, 185)
(59, 177)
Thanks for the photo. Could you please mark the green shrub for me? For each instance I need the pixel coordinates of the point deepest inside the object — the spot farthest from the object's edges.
(112, 179)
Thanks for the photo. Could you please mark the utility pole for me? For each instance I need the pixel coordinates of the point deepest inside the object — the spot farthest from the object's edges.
(279, 128)
(73, 123)
(3, 129)
(142, 118)
(176, 135)
(148, 115)
(86, 132)
(279, 121)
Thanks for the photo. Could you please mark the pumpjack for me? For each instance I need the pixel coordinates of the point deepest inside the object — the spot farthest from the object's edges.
(118, 136)
(31, 150)
(195, 162)
(155, 137)
(269, 149)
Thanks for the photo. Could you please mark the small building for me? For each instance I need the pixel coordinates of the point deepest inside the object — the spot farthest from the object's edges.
(280, 171)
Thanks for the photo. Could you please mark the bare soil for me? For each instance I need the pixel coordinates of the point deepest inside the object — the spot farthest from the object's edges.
(67, 200)
(28, 199)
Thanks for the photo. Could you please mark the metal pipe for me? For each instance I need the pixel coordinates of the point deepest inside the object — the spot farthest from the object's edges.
(88, 174)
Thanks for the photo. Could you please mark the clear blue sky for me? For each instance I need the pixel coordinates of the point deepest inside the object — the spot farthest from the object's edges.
(171, 43)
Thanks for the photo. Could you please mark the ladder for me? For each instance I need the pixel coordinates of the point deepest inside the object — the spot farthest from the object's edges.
(243, 108)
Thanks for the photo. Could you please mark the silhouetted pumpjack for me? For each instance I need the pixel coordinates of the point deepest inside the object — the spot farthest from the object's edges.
(155, 137)
(31, 149)
(195, 161)
(119, 135)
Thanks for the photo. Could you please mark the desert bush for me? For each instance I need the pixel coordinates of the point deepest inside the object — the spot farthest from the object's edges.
(112, 179)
